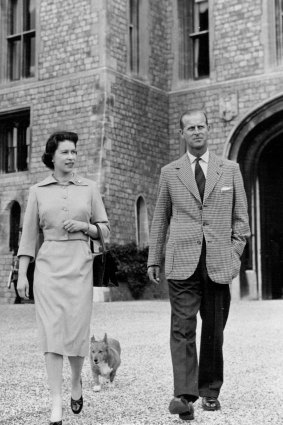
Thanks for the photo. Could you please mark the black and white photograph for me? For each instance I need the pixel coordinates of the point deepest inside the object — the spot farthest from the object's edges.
(141, 212)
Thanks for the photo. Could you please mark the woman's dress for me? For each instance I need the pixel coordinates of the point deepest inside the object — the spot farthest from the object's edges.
(63, 268)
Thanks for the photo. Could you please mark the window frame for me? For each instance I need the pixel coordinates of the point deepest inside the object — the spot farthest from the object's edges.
(188, 37)
(138, 39)
(28, 44)
(15, 151)
(278, 8)
(134, 39)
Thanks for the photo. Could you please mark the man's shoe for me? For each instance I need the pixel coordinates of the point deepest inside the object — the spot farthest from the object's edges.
(210, 403)
(180, 406)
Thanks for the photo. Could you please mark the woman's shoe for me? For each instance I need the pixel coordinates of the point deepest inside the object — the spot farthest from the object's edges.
(77, 405)
(55, 423)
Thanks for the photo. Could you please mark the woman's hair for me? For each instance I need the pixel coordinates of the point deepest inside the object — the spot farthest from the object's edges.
(53, 143)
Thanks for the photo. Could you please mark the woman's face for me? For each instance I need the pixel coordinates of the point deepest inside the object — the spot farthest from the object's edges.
(65, 157)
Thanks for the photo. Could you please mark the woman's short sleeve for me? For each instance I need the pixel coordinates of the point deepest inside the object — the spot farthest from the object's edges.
(30, 229)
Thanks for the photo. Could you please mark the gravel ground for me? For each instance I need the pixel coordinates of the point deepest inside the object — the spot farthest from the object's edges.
(251, 395)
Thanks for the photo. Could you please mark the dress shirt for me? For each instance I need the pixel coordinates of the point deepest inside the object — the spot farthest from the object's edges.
(203, 162)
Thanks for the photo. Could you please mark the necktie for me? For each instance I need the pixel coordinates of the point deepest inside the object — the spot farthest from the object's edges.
(200, 178)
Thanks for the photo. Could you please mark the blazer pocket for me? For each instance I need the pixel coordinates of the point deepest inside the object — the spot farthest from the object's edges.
(226, 189)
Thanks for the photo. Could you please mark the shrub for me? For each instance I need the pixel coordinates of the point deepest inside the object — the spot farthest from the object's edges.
(132, 266)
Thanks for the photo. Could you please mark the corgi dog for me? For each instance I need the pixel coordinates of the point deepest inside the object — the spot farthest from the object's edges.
(104, 360)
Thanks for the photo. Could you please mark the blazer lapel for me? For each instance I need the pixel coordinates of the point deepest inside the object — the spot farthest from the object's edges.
(186, 176)
(214, 172)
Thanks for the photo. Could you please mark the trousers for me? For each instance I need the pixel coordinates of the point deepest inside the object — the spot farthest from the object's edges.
(196, 294)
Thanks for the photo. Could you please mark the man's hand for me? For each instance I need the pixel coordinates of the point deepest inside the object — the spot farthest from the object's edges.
(153, 273)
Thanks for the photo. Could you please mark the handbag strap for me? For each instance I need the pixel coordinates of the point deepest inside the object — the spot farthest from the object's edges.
(101, 237)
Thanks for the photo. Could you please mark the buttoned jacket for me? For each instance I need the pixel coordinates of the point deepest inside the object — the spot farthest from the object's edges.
(50, 204)
(221, 219)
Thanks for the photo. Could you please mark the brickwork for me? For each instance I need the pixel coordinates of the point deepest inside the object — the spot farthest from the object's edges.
(77, 104)
(139, 147)
(69, 39)
(238, 50)
(6, 295)
(251, 93)
(128, 124)
(117, 35)
(160, 44)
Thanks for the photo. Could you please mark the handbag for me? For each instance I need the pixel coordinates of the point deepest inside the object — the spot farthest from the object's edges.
(104, 264)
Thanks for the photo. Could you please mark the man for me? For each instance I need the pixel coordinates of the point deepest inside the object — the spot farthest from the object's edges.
(202, 198)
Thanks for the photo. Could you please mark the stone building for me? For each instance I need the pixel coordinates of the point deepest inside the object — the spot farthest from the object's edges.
(120, 72)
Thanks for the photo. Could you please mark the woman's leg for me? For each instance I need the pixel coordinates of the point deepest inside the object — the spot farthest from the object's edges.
(76, 364)
(54, 366)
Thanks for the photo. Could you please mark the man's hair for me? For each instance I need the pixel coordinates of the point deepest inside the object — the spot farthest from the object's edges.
(192, 112)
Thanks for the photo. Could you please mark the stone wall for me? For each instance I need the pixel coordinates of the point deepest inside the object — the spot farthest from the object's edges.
(128, 124)
(138, 138)
(6, 295)
(237, 34)
(248, 93)
(122, 121)
(71, 37)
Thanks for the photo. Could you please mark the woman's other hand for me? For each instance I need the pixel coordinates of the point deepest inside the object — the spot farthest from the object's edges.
(23, 286)
(75, 226)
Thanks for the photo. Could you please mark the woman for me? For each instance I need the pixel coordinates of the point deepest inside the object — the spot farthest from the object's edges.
(65, 206)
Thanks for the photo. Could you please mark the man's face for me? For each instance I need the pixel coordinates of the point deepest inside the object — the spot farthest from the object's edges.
(195, 133)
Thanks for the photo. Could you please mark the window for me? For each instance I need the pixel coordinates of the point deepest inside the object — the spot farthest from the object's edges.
(139, 46)
(20, 39)
(134, 35)
(142, 223)
(193, 25)
(14, 141)
(279, 30)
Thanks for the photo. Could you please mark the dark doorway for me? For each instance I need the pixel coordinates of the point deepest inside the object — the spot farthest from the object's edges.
(15, 217)
(270, 174)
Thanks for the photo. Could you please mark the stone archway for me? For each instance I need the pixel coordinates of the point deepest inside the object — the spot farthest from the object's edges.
(257, 145)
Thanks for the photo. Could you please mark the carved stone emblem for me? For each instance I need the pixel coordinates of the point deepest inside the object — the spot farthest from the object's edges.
(228, 106)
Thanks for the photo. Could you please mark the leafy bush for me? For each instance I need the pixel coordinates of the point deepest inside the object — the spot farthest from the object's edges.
(132, 266)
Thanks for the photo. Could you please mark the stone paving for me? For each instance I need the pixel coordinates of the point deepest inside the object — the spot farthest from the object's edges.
(251, 394)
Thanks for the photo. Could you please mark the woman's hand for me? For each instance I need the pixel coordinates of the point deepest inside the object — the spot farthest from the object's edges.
(75, 226)
(23, 286)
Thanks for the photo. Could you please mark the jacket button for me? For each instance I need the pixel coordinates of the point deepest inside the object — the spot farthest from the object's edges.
(199, 242)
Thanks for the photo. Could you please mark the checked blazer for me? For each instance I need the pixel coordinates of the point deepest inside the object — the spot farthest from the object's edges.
(222, 220)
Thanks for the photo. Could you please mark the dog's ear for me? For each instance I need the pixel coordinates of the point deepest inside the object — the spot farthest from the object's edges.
(92, 339)
(105, 338)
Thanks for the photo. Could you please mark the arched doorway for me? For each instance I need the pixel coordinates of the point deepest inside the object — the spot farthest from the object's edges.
(15, 218)
(270, 176)
(257, 145)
